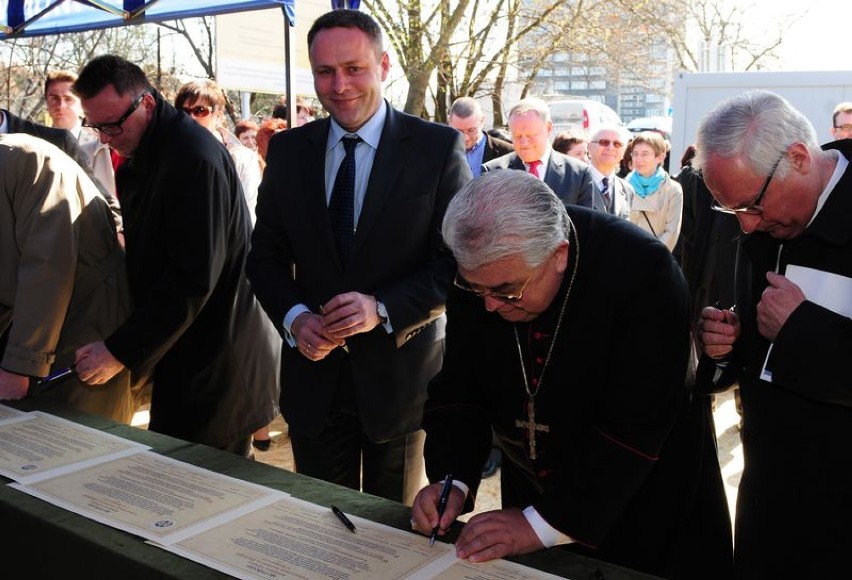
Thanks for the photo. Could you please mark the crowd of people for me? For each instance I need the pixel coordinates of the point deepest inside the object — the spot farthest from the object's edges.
(424, 302)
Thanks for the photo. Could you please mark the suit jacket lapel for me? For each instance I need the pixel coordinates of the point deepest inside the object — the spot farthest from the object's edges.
(313, 172)
(555, 173)
(621, 204)
(388, 163)
(597, 198)
(516, 163)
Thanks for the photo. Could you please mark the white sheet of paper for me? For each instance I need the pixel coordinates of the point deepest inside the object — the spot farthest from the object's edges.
(826, 289)
(9, 412)
(293, 538)
(491, 570)
(153, 496)
(829, 290)
(35, 446)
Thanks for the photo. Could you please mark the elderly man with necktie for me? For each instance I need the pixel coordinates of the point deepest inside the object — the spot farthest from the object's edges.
(531, 127)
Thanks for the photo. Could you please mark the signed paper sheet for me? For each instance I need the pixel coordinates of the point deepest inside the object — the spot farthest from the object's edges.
(35, 446)
(296, 539)
(153, 496)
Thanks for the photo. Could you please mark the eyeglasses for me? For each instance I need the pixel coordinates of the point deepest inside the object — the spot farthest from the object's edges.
(115, 128)
(608, 142)
(472, 132)
(843, 127)
(641, 154)
(755, 208)
(198, 111)
(460, 282)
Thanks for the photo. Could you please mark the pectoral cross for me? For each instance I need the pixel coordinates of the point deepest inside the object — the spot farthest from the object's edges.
(531, 426)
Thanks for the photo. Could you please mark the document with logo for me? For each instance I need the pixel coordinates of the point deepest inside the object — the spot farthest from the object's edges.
(35, 446)
(292, 538)
(831, 291)
(153, 496)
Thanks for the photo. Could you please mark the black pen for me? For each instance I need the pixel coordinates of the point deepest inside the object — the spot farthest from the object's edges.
(58, 375)
(442, 505)
(342, 517)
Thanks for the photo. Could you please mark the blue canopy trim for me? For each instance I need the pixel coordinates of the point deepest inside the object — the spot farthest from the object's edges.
(21, 18)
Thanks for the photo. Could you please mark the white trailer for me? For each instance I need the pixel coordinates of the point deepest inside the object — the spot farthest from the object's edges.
(814, 93)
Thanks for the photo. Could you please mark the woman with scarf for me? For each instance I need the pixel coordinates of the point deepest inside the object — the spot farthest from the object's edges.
(657, 206)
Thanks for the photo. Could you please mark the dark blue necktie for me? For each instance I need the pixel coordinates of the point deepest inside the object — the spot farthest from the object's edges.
(605, 193)
(341, 207)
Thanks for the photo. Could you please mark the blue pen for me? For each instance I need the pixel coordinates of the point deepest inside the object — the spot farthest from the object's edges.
(442, 505)
(57, 376)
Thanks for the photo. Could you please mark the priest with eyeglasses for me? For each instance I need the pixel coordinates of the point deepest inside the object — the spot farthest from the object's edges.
(568, 336)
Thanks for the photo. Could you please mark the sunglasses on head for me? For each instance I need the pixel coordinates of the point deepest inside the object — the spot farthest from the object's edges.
(198, 110)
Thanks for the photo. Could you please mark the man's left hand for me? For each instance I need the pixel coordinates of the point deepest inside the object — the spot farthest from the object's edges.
(778, 302)
(349, 314)
(496, 534)
(96, 365)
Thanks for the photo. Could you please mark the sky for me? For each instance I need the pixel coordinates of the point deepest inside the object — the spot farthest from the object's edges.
(814, 42)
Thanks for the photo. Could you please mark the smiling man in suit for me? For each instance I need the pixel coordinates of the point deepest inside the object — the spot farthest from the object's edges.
(606, 149)
(348, 262)
(531, 126)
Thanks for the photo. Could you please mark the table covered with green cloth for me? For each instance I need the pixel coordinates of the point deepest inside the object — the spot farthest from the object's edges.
(41, 540)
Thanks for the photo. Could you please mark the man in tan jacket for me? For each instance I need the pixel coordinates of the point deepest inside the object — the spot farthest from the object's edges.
(63, 282)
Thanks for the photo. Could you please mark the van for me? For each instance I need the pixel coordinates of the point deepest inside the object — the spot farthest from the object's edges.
(662, 125)
(581, 115)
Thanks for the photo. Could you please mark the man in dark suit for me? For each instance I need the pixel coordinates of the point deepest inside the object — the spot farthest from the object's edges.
(531, 126)
(348, 263)
(466, 116)
(612, 193)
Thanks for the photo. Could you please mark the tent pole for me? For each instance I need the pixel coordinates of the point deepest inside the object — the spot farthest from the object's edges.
(288, 89)
(245, 105)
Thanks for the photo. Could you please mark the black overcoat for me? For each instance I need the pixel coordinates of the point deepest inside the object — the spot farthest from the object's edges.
(794, 503)
(196, 325)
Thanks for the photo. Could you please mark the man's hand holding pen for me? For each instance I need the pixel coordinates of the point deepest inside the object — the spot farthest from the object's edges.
(485, 536)
(718, 331)
(424, 511)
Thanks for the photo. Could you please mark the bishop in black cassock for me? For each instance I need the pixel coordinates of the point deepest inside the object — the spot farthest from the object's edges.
(615, 452)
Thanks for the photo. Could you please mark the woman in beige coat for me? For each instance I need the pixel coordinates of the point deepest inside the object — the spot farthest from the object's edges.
(63, 282)
(657, 205)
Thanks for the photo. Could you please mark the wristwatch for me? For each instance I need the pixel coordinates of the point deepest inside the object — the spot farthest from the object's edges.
(382, 312)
